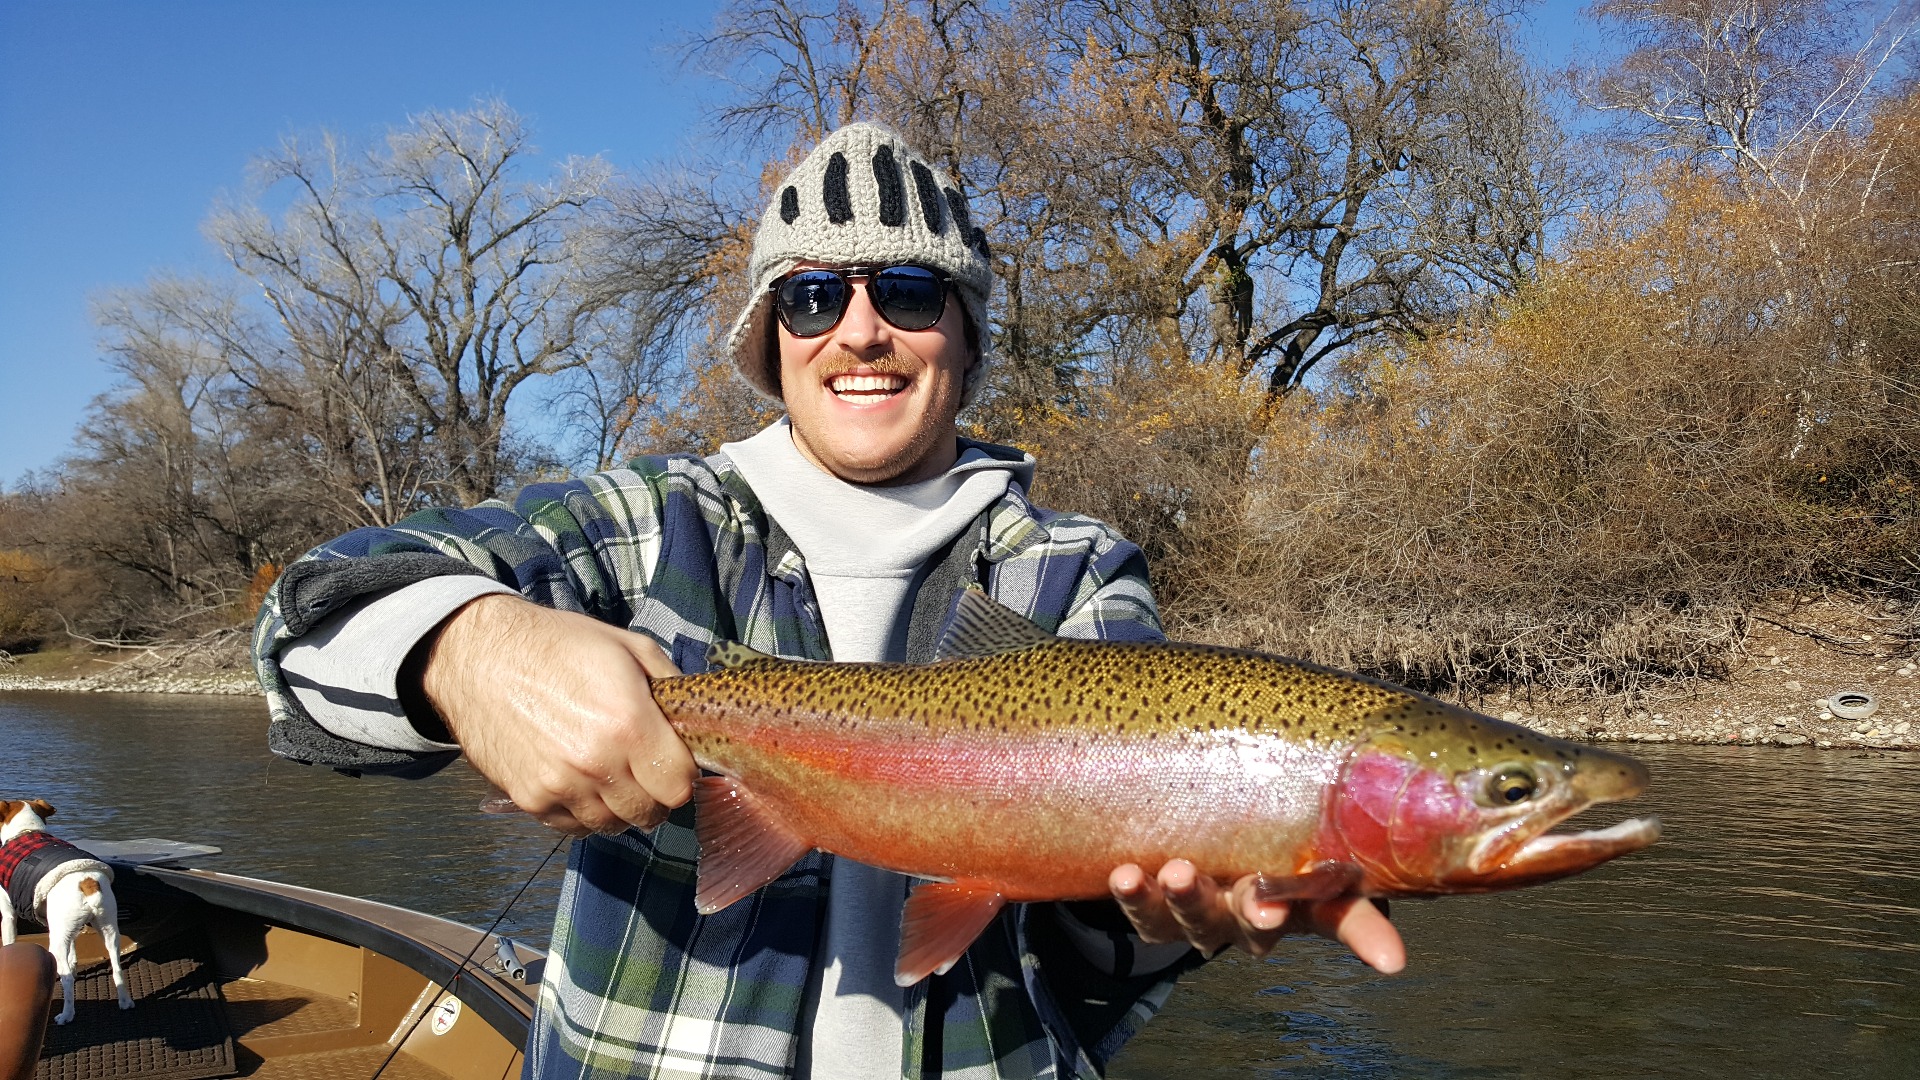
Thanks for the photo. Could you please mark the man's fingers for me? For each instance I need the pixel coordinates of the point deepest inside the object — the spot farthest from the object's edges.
(1197, 906)
(1364, 928)
(1144, 905)
(653, 659)
(631, 803)
(562, 821)
(659, 761)
(1255, 911)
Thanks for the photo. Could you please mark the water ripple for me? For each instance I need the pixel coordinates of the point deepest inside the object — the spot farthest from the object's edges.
(1769, 934)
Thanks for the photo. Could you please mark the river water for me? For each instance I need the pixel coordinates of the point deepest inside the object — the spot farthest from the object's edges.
(1773, 932)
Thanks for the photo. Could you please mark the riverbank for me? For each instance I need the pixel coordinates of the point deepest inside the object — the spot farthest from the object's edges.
(1778, 690)
(1799, 656)
(217, 664)
(222, 683)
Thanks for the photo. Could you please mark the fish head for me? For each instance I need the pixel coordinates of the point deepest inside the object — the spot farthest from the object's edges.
(1441, 800)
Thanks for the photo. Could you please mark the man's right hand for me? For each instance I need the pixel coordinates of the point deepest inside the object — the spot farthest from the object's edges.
(556, 710)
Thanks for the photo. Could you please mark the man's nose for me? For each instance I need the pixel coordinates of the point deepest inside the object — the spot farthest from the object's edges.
(861, 329)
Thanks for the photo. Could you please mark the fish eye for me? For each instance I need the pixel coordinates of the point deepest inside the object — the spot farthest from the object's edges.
(1511, 784)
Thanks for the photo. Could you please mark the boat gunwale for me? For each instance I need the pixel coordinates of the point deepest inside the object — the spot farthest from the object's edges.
(432, 947)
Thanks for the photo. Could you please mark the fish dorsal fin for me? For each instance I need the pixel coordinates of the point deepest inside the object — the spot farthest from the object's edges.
(983, 628)
(731, 654)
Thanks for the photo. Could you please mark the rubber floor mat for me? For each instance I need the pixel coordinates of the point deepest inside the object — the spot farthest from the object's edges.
(176, 1030)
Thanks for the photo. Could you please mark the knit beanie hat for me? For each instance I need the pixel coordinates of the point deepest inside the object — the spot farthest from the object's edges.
(862, 197)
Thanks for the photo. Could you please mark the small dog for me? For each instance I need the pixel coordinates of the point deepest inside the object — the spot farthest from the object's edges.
(41, 874)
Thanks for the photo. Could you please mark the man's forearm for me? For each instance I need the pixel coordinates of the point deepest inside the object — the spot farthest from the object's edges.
(348, 670)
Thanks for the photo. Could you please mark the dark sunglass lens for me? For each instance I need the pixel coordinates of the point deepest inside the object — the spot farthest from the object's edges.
(908, 297)
(811, 302)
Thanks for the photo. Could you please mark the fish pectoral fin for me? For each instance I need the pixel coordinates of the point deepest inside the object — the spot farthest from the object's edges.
(940, 921)
(1316, 881)
(981, 627)
(731, 654)
(742, 845)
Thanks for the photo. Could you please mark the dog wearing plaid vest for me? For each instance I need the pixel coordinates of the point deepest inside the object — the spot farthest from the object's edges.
(46, 877)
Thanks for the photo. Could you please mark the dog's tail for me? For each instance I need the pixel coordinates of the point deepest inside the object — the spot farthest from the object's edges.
(97, 900)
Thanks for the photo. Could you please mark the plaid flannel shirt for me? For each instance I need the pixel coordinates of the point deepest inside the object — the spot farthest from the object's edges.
(637, 983)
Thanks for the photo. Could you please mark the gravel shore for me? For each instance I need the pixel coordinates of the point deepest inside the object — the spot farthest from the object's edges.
(217, 682)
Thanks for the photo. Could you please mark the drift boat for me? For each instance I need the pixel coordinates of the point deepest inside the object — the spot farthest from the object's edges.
(235, 976)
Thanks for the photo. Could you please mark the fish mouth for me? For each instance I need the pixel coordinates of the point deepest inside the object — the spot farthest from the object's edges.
(1525, 852)
(1550, 855)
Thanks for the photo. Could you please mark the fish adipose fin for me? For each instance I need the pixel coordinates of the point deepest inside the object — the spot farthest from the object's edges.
(982, 628)
(939, 922)
(1320, 881)
(742, 846)
(730, 654)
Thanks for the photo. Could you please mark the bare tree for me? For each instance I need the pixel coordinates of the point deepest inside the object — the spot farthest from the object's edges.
(1768, 88)
(176, 496)
(1310, 171)
(425, 273)
(1258, 182)
(801, 66)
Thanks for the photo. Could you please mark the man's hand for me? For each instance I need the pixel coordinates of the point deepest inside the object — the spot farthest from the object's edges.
(1182, 904)
(557, 710)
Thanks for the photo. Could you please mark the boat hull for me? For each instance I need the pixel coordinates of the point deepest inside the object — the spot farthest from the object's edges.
(303, 982)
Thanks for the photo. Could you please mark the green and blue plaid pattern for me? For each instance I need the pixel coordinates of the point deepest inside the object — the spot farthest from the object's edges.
(638, 984)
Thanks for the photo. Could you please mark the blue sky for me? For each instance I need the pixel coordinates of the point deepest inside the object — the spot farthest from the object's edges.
(121, 121)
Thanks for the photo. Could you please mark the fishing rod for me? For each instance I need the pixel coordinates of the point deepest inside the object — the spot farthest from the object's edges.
(461, 970)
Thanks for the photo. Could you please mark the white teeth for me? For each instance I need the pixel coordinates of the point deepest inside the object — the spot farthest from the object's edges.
(866, 384)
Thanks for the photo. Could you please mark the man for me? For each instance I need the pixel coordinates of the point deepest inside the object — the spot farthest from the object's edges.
(842, 532)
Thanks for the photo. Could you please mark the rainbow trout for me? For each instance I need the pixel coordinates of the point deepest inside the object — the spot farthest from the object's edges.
(1021, 766)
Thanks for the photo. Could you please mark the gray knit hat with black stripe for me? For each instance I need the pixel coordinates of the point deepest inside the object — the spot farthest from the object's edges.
(863, 197)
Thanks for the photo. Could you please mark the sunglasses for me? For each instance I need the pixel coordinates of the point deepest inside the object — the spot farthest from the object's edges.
(811, 302)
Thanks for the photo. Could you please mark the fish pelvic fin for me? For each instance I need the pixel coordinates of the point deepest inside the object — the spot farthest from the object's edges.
(982, 628)
(940, 920)
(731, 654)
(742, 845)
(1318, 881)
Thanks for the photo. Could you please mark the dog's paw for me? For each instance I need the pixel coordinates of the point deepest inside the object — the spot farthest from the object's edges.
(126, 1003)
(63, 1017)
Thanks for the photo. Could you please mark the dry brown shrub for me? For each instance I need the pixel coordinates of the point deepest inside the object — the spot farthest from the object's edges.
(1593, 486)
(26, 584)
(1160, 452)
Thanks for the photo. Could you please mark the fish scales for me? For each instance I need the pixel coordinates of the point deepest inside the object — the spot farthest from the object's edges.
(1022, 766)
(1041, 769)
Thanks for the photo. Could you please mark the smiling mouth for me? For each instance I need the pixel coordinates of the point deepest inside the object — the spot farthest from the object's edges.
(866, 389)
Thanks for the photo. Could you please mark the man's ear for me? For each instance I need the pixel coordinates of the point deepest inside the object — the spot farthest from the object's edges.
(41, 807)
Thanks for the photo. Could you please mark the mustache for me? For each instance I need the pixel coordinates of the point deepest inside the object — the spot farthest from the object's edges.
(846, 363)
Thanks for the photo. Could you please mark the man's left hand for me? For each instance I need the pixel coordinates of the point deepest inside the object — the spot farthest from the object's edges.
(1181, 903)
